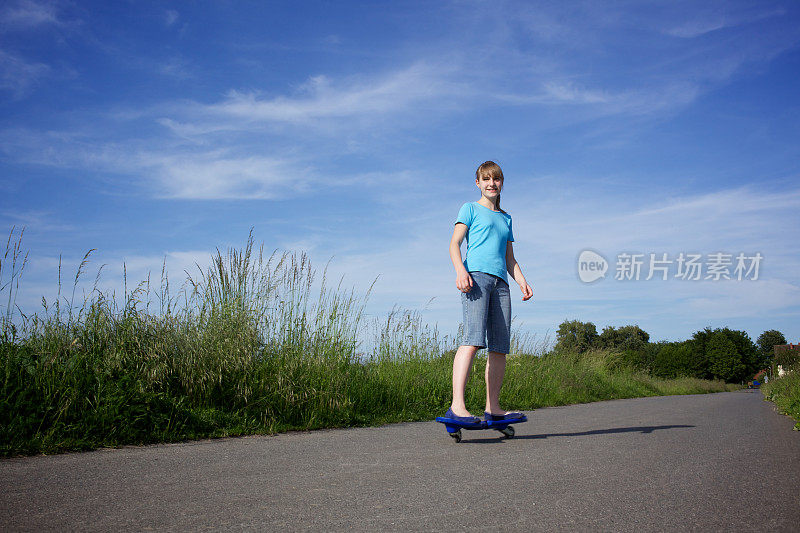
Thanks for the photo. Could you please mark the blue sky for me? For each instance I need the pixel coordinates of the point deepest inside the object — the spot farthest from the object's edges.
(352, 130)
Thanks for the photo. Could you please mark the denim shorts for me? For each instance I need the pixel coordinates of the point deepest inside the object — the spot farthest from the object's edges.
(487, 313)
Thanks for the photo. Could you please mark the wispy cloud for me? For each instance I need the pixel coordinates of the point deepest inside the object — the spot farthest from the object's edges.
(744, 219)
(594, 103)
(170, 17)
(40, 220)
(213, 175)
(343, 110)
(176, 67)
(567, 92)
(730, 299)
(740, 217)
(695, 28)
(174, 170)
(26, 14)
(709, 21)
(366, 134)
(18, 76)
(657, 77)
(322, 98)
(109, 272)
(551, 230)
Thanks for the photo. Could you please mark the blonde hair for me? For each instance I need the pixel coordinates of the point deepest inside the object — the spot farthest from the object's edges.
(490, 169)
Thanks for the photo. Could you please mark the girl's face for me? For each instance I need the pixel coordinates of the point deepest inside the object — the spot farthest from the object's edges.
(489, 186)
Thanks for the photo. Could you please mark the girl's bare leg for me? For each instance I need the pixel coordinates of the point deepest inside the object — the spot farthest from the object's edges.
(495, 370)
(462, 364)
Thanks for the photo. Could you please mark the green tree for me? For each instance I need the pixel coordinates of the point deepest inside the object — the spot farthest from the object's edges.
(630, 337)
(747, 352)
(724, 361)
(673, 359)
(766, 343)
(726, 354)
(699, 357)
(576, 336)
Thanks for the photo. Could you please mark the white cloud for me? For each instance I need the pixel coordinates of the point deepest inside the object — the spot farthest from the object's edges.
(695, 28)
(552, 229)
(731, 201)
(111, 274)
(18, 75)
(704, 23)
(170, 17)
(321, 98)
(595, 103)
(176, 67)
(39, 220)
(26, 14)
(569, 93)
(735, 217)
(344, 110)
(139, 268)
(731, 299)
(173, 170)
(216, 176)
(189, 130)
(189, 174)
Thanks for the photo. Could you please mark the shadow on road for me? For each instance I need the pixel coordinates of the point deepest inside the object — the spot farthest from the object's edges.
(635, 429)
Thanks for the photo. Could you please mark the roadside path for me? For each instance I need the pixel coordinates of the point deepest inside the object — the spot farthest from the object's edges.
(715, 462)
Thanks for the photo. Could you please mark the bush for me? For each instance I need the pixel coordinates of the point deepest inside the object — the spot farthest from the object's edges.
(576, 336)
(785, 393)
(624, 338)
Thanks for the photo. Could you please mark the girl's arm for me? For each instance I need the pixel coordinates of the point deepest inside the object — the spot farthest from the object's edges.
(463, 279)
(516, 272)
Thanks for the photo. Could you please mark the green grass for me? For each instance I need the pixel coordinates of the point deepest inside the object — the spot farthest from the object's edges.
(785, 394)
(253, 346)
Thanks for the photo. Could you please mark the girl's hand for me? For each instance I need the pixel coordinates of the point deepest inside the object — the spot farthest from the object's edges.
(464, 282)
(527, 291)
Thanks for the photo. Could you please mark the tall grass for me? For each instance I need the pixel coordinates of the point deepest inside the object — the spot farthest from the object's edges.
(10, 275)
(249, 346)
(784, 392)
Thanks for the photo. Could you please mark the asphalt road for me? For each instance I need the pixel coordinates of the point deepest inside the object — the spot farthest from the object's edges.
(715, 462)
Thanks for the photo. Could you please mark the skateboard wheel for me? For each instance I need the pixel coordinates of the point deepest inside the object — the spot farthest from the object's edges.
(508, 431)
(456, 436)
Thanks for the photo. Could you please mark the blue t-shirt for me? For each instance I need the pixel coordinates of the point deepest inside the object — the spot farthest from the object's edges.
(488, 233)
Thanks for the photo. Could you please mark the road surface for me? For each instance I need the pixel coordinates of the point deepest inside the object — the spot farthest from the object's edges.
(715, 462)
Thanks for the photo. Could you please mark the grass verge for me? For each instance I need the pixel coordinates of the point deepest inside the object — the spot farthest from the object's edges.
(254, 346)
(785, 394)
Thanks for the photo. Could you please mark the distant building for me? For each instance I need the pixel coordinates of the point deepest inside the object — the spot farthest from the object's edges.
(783, 348)
(786, 356)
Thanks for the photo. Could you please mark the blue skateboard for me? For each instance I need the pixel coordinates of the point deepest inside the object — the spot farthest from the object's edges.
(454, 427)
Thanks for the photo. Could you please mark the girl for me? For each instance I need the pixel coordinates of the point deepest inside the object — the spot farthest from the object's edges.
(485, 298)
